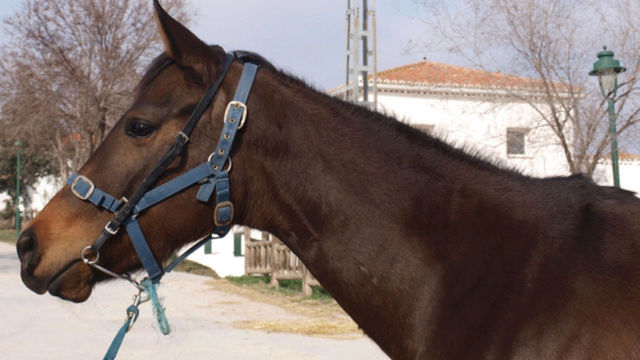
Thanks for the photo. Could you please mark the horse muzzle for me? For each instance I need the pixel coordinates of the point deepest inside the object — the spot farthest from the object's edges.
(73, 281)
(27, 247)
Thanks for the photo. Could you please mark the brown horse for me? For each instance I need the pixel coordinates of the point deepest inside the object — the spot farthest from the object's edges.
(434, 253)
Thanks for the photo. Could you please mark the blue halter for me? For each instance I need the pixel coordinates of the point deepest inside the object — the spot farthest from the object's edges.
(211, 176)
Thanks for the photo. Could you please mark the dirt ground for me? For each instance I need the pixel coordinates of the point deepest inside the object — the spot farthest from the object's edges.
(210, 319)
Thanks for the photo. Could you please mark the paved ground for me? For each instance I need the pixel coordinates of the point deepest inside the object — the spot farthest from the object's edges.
(39, 327)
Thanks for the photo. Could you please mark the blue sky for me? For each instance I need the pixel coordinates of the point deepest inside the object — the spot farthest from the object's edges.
(305, 37)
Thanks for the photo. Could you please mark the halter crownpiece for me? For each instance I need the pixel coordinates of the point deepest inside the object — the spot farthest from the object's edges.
(210, 175)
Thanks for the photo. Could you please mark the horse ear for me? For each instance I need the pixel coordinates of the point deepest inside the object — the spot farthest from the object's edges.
(180, 43)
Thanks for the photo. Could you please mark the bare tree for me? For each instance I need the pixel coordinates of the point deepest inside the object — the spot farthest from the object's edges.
(69, 70)
(554, 42)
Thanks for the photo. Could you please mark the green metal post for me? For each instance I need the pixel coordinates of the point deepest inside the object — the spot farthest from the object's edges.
(614, 143)
(19, 145)
(607, 69)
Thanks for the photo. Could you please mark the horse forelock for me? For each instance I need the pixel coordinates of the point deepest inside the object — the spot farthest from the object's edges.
(158, 64)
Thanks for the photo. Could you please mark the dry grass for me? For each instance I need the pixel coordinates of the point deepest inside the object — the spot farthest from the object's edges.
(333, 328)
(320, 317)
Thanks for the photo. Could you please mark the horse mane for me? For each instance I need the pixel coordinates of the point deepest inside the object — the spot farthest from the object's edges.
(464, 153)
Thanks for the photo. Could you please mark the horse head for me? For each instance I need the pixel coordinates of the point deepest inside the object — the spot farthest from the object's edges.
(51, 248)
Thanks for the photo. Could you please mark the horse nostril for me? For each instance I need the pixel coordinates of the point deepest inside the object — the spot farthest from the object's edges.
(27, 246)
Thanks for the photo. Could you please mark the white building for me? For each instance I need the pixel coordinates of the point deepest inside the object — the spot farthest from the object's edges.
(629, 167)
(473, 109)
(225, 256)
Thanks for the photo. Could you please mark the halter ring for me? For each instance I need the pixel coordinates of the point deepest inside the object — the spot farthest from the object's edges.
(228, 169)
(86, 260)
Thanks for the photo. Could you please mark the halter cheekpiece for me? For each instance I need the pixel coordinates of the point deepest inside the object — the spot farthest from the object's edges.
(211, 176)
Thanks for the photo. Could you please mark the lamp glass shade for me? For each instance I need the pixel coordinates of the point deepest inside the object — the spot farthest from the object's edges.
(607, 78)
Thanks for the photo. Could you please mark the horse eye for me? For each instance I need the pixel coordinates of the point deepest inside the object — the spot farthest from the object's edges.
(139, 129)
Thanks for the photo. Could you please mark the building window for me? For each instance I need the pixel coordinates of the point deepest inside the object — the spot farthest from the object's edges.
(427, 128)
(516, 141)
(237, 244)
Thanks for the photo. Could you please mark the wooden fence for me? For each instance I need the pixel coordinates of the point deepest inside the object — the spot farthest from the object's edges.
(269, 256)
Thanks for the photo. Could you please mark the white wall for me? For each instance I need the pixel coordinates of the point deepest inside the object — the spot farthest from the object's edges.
(222, 259)
(40, 194)
(629, 174)
(480, 123)
(43, 190)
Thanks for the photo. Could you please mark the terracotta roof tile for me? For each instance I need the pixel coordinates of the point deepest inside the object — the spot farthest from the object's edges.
(625, 156)
(433, 73)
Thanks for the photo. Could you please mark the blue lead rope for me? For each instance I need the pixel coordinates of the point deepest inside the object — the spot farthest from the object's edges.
(132, 316)
(147, 286)
(158, 309)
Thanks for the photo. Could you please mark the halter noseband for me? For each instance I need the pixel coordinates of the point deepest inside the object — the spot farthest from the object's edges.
(211, 176)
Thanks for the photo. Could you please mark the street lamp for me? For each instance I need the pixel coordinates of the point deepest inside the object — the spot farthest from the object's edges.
(19, 146)
(607, 69)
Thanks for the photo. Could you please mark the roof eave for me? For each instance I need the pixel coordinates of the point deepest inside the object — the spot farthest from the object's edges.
(448, 89)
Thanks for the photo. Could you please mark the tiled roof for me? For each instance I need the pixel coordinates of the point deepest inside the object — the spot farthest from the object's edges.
(624, 156)
(628, 156)
(434, 73)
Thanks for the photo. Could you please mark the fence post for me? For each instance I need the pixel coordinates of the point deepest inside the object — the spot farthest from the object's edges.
(248, 255)
(273, 261)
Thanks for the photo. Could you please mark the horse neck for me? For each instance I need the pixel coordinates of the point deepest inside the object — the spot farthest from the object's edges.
(371, 207)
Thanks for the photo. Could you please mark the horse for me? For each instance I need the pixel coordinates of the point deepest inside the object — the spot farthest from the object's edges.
(434, 253)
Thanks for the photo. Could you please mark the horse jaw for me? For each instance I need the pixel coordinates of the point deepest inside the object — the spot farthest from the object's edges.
(74, 283)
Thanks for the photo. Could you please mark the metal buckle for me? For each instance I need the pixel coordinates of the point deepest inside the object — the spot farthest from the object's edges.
(184, 136)
(215, 213)
(109, 228)
(236, 105)
(86, 180)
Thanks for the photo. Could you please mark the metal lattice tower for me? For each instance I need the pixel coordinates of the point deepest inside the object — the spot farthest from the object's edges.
(361, 54)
